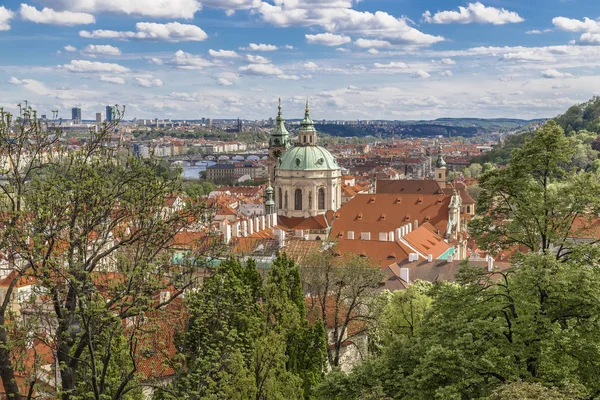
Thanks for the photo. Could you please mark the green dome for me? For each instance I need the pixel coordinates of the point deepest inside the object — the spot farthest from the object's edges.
(300, 158)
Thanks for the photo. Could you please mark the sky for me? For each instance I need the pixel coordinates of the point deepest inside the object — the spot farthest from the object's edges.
(353, 59)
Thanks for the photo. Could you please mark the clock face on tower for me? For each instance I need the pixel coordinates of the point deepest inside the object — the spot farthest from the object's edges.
(277, 153)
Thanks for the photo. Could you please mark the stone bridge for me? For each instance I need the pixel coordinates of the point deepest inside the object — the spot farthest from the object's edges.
(194, 158)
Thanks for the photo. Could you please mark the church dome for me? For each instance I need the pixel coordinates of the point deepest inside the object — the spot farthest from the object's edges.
(301, 158)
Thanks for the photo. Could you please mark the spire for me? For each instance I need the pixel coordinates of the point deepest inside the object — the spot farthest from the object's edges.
(307, 133)
(269, 199)
(440, 163)
(306, 112)
(280, 136)
(279, 108)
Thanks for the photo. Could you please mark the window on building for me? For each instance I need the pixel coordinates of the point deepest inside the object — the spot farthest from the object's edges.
(280, 198)
(298, 199)
(286, 200)
(468, 209)
(321, 199)
(440, 175)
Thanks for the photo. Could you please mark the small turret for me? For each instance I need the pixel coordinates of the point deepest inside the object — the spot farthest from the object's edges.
(269, 199)
(440, 169)
(280, 138)
(307, 134)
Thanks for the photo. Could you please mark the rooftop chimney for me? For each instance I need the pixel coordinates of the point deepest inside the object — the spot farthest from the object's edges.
(404, 274)
(430, 258)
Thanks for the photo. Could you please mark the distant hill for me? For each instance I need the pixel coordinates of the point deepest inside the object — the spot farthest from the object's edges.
(447, 127)
(582, 116)
(494, 124)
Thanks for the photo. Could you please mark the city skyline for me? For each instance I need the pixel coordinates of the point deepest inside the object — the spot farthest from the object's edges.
(368, 60)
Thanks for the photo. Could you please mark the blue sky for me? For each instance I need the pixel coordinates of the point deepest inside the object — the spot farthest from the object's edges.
(368, 59)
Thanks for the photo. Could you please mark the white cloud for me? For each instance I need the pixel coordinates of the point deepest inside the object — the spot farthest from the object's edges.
(327, 39)
(288, 47)
(392, 65)
(231, 5)
(421, 74)
(261, 69)
(148, 8)
(447, 61)
(70, 48)
(575, 25)
(378, 25)
(311, 66)
(289, 77)
(156, 60)
(5, 16)
(224, 82)
(32, 85)
(590, 38)
(371, 43)
(446, 73)
(94, 66)
(589, 27)
(474, 13)
(148, 83)
(257, 59)
(373, 51)
(185, 60)
(170, 32)
(554, 74)
(260, 47)
(106, 50)
(49, 16)
(112, 79)
(223, 53)
(538, 32)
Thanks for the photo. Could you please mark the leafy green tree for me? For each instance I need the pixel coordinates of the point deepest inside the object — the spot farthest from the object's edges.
(534, 324)
(219, 336)
(535, 201)
(532, 391)
(243, 331)
(487, 166)
(475, 170)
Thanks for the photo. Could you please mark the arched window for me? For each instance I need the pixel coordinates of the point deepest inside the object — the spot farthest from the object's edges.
(286, 200)
(322, 199)
(468, 209)
(298, 199)
(280, 198)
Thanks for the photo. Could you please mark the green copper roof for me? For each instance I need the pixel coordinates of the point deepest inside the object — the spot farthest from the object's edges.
(307, 125)
(440, 163)
(280, 136)
(301, 158)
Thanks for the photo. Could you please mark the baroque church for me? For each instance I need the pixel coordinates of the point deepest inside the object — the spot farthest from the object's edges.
(306, 177)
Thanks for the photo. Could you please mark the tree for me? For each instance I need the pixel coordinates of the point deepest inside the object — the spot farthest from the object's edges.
(342, 295)
(219, 336)
(531, 391)
(90, 229)
(243, 331)
(285, 306)
(536, 200)
(475, 170)
(526, 330)
(487, 166)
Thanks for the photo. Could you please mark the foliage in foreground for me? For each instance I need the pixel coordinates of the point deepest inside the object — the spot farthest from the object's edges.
(249, 339)
(536, 324)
